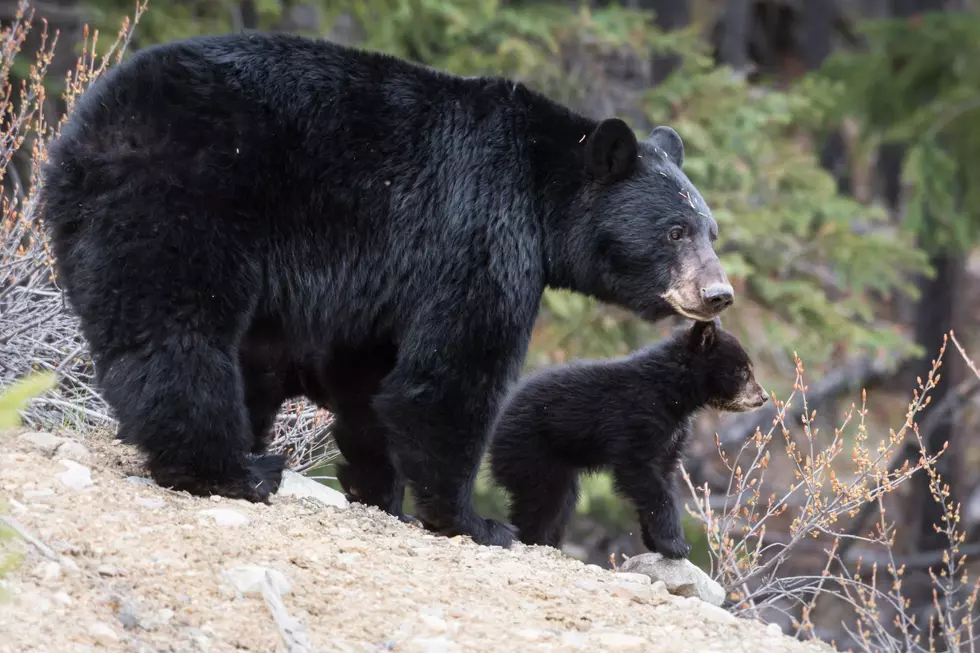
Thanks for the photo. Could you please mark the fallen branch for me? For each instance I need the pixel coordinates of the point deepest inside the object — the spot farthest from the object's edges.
(292, 631)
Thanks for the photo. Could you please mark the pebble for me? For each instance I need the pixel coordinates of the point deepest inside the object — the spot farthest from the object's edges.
(534, 634)
(102, 633)
(140, 480)
(108, 570)
(151, 503)
(774, 630)
(77, 477)
(46, 443)
(75, 451)
(226, 517)
(50, 570)
(620, 642)
(38, 494)
(128, 616)
(62, 598)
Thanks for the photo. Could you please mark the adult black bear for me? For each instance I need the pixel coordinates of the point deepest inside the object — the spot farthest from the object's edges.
(240, 219)
(632, 414)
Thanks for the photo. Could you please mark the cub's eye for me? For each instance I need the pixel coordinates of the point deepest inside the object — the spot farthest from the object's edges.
(745, 375)
(676, 233)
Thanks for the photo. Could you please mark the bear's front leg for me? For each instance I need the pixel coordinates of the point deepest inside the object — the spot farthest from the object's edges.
(437, 406)
(651, 490)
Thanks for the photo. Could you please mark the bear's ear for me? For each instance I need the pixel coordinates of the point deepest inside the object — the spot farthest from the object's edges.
(667, 140)
(702, 336)
(611, 151)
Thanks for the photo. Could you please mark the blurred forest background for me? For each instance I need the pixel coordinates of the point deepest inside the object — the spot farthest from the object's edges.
(836, 142)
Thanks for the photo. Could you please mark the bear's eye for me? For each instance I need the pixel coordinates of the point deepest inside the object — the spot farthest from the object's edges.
(676, 233)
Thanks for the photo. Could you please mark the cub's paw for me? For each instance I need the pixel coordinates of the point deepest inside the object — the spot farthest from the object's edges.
(674, 548)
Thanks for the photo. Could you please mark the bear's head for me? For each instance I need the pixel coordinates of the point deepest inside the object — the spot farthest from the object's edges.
(723, 367)
(648, 238)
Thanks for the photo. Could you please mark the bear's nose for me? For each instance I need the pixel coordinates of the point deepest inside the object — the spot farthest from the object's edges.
(718, 296)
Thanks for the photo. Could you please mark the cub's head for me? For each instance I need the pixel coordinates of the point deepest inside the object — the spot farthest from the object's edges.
(650, 233)
(726, 371)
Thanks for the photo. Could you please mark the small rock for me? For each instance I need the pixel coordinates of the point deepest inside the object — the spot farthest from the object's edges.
(164, 616)
(50, 570)
(534, 635)
(102, 633)
(714, 613)
(62, 598)
(216, 498)
(348, 558)
(297, 485)
(30, 495)
(78, 477)
(46, 443)
(75, 451)
(151, 503)
(433, 623)
(128, 616)
(249, 579)
(774, 630)
(226, 517)
(108, 570)
(140, 480)
(660, 588)
(681, 577)
(620, 642)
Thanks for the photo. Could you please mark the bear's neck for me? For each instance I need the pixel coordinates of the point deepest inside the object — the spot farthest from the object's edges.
(670, 370)
(555, 137)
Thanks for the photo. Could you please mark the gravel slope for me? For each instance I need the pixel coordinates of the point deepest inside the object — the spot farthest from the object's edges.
(139, 568)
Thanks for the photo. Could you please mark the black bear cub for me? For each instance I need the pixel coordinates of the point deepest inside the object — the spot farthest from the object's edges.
(632, 415)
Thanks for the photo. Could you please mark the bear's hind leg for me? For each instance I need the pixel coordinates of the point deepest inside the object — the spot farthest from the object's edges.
(183, 404)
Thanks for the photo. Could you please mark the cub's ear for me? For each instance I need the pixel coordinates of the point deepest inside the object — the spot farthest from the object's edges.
(702, 335)
(611, 150)
(667, 140)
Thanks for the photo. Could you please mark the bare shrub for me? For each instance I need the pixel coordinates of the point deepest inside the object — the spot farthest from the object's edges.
(793, 550)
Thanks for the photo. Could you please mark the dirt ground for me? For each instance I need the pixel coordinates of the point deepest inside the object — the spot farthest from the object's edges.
(122, 565)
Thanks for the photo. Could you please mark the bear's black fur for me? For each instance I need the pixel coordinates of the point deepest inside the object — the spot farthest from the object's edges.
(245, 218)
(632, 415)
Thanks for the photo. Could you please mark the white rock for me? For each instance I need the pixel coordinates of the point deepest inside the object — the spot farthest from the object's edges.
(50, 570)
(297, 485)
(102, 633)
(249, 579)
(774, 629)
(681, 577)
(714, 613)
(46, 443)
(151, 503)
(62, 598)
(78, 477)
(620, 642)
(226, 517)
(140, 480)
(75, 451)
